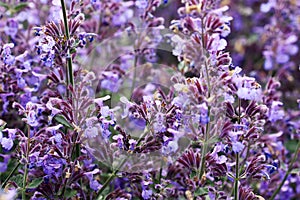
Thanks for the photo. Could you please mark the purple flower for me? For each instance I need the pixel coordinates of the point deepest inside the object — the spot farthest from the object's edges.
(147, 193)
(132, 143)
(94, 184)
(141, 4)
(4, 162)
(111, 81)
(52, 166)
(8, 194)
(203, 113)
(119, 139)
(248, 88)
(11, 28)
(121, 18)
(7, 57)
(159, 126)
(93, 127)
(7, 143)
(237, 147)
(276, 112)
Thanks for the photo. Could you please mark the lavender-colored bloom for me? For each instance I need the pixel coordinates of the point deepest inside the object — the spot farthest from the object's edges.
(7, 57)
(55, 14)
(122, 18)
(47, 43)
(111, 81)
(276, 112)
(53, 166)
(159, 126)
(142, 4)
(105, 132)
(119, 139)
(4, 162)
(7, 143)
(11, 28)
(94, 184)
(248, 88)
(147, 193)
(91, 132)
(170, 147)
(8, 194)
(31, 118)
(132, 143)
(237, 147)
(203, 112)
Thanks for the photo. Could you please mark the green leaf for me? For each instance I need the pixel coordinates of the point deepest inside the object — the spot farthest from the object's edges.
(69, 193)
(62, 120)
(201, 192)
(2, 127)
(193, 174)
(4, 5)
(291, 145)
(72, 51)
(35, 183)
(18, 179)
(20, 6)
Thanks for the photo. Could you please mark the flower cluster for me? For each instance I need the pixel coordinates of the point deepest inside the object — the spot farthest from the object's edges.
(149, 99)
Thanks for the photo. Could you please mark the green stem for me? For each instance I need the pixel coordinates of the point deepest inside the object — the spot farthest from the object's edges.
(237, 161)
(26, 164)
(69, 76)
(206, 54)
(8, 177)
(290, 168)
(134, 74)
(204, 148)
(245, 159)
(205, 145)
(236, 180)
(113, 175)
(70, 79)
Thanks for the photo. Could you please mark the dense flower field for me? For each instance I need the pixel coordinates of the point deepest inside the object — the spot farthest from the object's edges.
(150, 99)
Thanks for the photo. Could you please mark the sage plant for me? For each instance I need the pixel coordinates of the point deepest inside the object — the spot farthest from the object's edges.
(149, 99)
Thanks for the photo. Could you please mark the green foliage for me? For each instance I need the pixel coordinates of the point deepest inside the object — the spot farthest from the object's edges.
(62, 120)
(35, 183)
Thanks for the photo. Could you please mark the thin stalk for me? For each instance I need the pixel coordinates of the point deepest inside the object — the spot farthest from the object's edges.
(111, 177)
(245, 159)
(70, 79)
(290, 168)
(114, 173)
(237, 161)
(134, 74)
(205, 144)
(236, 180)
(10, 174)
(26, 164)
(204, 149)
(205, 63)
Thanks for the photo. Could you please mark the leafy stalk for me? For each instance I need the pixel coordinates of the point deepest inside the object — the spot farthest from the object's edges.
(237, 161)
(205, 142)
(10, 174)
(287, 173)
(70, 79)
(26, 164)
(114, 173)
(236, 180)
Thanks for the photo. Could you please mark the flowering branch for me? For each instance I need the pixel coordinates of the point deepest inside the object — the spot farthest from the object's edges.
(70, 79)
(287, 173)
(26, 164)
(10, 174)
